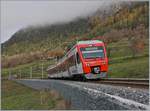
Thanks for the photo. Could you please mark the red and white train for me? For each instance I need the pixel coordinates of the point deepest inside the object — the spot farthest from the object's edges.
(86, 59)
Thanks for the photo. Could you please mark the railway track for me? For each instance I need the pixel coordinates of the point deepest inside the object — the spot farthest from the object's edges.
(137, 83)
(128, 82)
(131, 82)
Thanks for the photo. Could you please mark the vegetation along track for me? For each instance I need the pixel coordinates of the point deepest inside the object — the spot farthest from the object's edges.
(130, 82)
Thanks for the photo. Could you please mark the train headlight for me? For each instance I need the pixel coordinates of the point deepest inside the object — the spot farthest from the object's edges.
(96, 70)
(87, 64)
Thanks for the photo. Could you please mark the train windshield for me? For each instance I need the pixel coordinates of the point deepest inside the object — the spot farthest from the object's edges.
(92, 52)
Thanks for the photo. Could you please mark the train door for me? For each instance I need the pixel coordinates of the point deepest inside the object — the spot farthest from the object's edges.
(78, 64)
(72, 63)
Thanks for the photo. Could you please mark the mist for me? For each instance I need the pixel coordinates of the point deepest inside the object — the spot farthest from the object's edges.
(20, 14)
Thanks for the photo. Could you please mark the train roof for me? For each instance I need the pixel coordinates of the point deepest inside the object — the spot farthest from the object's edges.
(89, 42)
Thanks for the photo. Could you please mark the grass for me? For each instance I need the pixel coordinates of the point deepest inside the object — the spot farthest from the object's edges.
(130, 68)
(19, 97)
(123, 49)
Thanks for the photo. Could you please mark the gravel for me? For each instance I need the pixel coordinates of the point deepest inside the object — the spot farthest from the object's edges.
(135, 94)
(90, 96)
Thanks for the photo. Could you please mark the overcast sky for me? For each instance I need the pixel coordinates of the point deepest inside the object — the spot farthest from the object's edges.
(18, 14)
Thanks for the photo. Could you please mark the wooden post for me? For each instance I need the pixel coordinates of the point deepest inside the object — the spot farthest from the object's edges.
(31, 73)
(20, 73)
(9, 74)
(42, 70)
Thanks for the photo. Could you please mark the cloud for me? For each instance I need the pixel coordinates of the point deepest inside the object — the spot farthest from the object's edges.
(19, 14)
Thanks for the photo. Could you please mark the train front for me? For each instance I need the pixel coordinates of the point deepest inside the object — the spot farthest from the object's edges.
(94, 60)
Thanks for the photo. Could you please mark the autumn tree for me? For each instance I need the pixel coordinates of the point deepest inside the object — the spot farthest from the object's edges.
(96, 20)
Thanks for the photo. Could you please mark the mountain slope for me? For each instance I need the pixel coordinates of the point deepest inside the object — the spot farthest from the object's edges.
(37, 38)
(120, 22)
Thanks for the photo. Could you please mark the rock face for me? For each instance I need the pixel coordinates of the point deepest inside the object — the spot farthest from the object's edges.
(89, 96)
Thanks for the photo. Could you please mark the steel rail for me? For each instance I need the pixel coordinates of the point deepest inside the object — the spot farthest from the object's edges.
(131, 82)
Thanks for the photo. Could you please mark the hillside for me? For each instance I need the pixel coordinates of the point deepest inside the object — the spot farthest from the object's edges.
(43, 37)
(121, 22)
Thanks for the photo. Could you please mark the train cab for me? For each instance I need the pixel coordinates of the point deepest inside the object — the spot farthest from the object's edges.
(94, 59)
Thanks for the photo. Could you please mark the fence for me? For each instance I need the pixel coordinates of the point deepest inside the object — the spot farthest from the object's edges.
(31, 71)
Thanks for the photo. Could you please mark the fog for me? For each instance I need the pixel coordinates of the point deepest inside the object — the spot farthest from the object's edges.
(19, 14)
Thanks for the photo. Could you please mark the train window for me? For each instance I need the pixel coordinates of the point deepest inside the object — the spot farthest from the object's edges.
(92, 52)
(78, 59)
